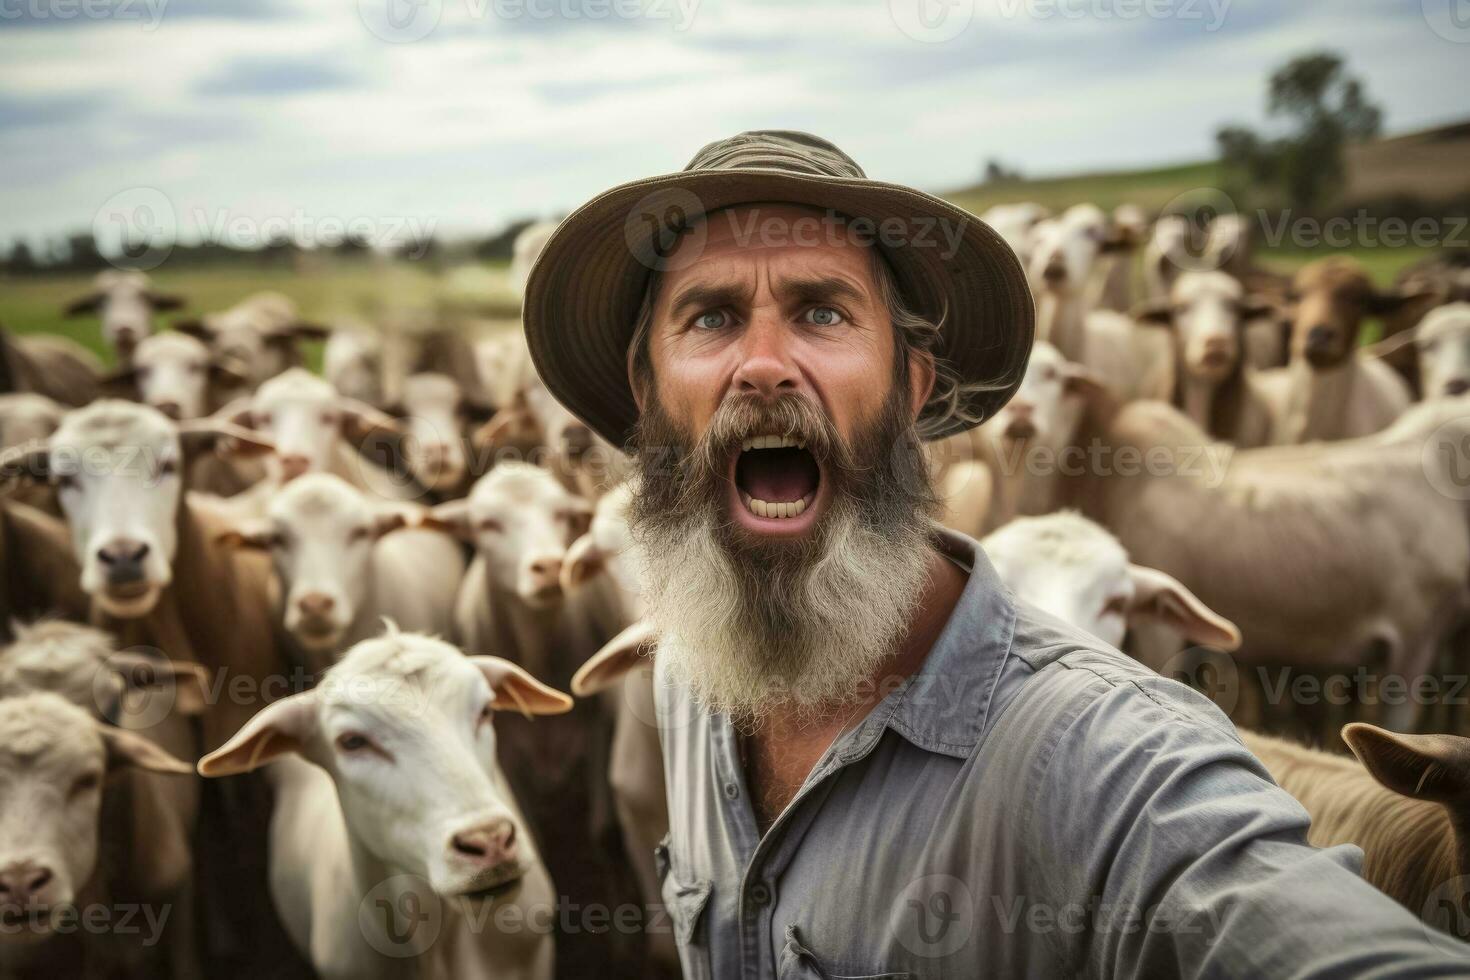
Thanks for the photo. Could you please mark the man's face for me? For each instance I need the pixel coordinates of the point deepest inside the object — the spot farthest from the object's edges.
(782, 501)
(748, 316)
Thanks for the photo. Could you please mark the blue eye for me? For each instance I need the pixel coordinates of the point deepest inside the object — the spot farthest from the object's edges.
(713, 320)
(822, 316)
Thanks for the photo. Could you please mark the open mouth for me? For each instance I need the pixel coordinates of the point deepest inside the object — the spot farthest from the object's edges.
(128, 600)
(317, 633)
(776, 477)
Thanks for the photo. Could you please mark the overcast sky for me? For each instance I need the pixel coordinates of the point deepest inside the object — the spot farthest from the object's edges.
(456, 115)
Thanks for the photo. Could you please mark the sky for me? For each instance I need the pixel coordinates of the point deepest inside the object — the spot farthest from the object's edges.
(231, 118)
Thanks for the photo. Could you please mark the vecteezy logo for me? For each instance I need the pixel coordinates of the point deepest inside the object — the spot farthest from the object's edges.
(136, 228)
(934, 916)
(400, 21)
(932, 21)
(1211, 672)
(1450, 19)
(1446, 458)
(1447, 907)
(665, 230)
(400, 916)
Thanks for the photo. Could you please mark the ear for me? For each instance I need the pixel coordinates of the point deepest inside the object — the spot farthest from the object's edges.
(1116, 239)
(236, 413)
(1422, 767)
(194, 328)
(1255, 305)
(164, 302)
(516, 690)
(85, 304)
(475, 410)
(198, 436)
(360, 420)
(1392, 344)
(257, 534)
(390, 519)
(452, 518)
(280, 727)
(302, 330)
(1162, 599)
(1384, 303)
(1077, 380)
(584, 560)
(125, 748)
(507, 426)
(618, 656)
(580, 517)
(228, 372)
(31, 461)
(922, 374)
(190, 682)
(1154, 312)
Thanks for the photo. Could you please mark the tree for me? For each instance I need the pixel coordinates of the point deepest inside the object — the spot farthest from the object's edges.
(1324, 109)
(997, 172)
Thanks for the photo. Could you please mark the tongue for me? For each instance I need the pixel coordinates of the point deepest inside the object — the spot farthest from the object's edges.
(777, 475)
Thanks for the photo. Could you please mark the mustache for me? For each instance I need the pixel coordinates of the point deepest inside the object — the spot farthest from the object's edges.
(742, 416)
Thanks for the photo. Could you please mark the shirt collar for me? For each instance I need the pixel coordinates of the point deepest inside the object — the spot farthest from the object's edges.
(944, 706)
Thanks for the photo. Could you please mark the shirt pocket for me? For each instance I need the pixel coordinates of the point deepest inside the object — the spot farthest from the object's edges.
(797, 962)
(685, 898)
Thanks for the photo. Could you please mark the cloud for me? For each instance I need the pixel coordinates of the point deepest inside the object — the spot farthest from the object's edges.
(273, 75)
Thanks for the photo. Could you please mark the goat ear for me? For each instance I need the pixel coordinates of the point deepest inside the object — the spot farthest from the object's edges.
(584, 560)
(516, 690)
(125, 748)
(504, 428)
(198, 436)
(31, 461)
(1391, 301)
(257, 535)
(1155, 312)
(390, 519)
(360, 420)
(1162, 599)
(89, 303)
(280, 727)
(1255, 306)
(1077, 380)
(164, 302)
(303, 330)
(228, 372)
(194, 328)
(452, 518)
(1422, 767)
(618, 656)
(1117, 239)
(189, 682)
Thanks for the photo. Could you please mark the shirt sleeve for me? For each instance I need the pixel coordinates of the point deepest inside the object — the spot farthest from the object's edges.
(1194, 862)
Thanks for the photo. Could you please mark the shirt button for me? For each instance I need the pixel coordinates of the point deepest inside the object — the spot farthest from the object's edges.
(760, 893)
(731, 791)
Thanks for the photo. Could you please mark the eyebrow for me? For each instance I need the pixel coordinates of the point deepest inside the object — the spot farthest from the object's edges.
(706, 296)
(816, 288)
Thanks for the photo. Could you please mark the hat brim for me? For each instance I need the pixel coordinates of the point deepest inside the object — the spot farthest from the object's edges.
(584, 293)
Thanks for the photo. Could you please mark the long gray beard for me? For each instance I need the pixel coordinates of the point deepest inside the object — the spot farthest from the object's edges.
(749, 628)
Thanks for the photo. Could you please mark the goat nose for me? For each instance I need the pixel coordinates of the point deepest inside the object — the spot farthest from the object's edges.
(21, 884)
(488, 846)
(1319, 336)
(545, 572)
(123, 560)
(316, 604)
(1457, 386)
(293, 465)
(1055, 272)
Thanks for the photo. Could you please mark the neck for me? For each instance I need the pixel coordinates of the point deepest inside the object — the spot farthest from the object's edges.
(782, 751)
(1060, 321)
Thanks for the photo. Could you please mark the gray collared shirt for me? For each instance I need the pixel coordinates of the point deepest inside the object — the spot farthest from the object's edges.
(1030, 803)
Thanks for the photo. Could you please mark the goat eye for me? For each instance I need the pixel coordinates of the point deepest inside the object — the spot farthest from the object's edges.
(357, 534)
(486, 714)
(1116, 606)
(262, 418)
(353, 742)
(1048, 374)
(489, 524)
(329, 418)
(64, 481)
(168, 467)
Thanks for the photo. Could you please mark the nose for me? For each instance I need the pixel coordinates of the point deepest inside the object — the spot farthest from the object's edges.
(127, 337)
(316, 605)
(1319, 337)
(1055, 272)
(23, 883)
(170, 408)
(1457, 386)
(766, 367)
(544, 572)
(488, 846)
(123, 560)
(294, 465)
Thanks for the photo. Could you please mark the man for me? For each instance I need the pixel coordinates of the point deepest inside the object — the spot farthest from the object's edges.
(878, 763)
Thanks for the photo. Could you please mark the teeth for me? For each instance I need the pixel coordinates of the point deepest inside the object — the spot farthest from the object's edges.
(780, 509)
(771, 442)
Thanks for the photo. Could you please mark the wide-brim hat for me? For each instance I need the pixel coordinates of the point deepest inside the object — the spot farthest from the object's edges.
(584, 293)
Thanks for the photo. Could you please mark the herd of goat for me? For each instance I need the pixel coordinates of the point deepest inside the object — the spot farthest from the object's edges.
(217, 760)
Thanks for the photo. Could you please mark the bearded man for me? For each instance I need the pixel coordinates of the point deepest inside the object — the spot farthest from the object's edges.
(878, 762)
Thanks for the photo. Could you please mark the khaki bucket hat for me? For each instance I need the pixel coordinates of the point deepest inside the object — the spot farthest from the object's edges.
(584, 293)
